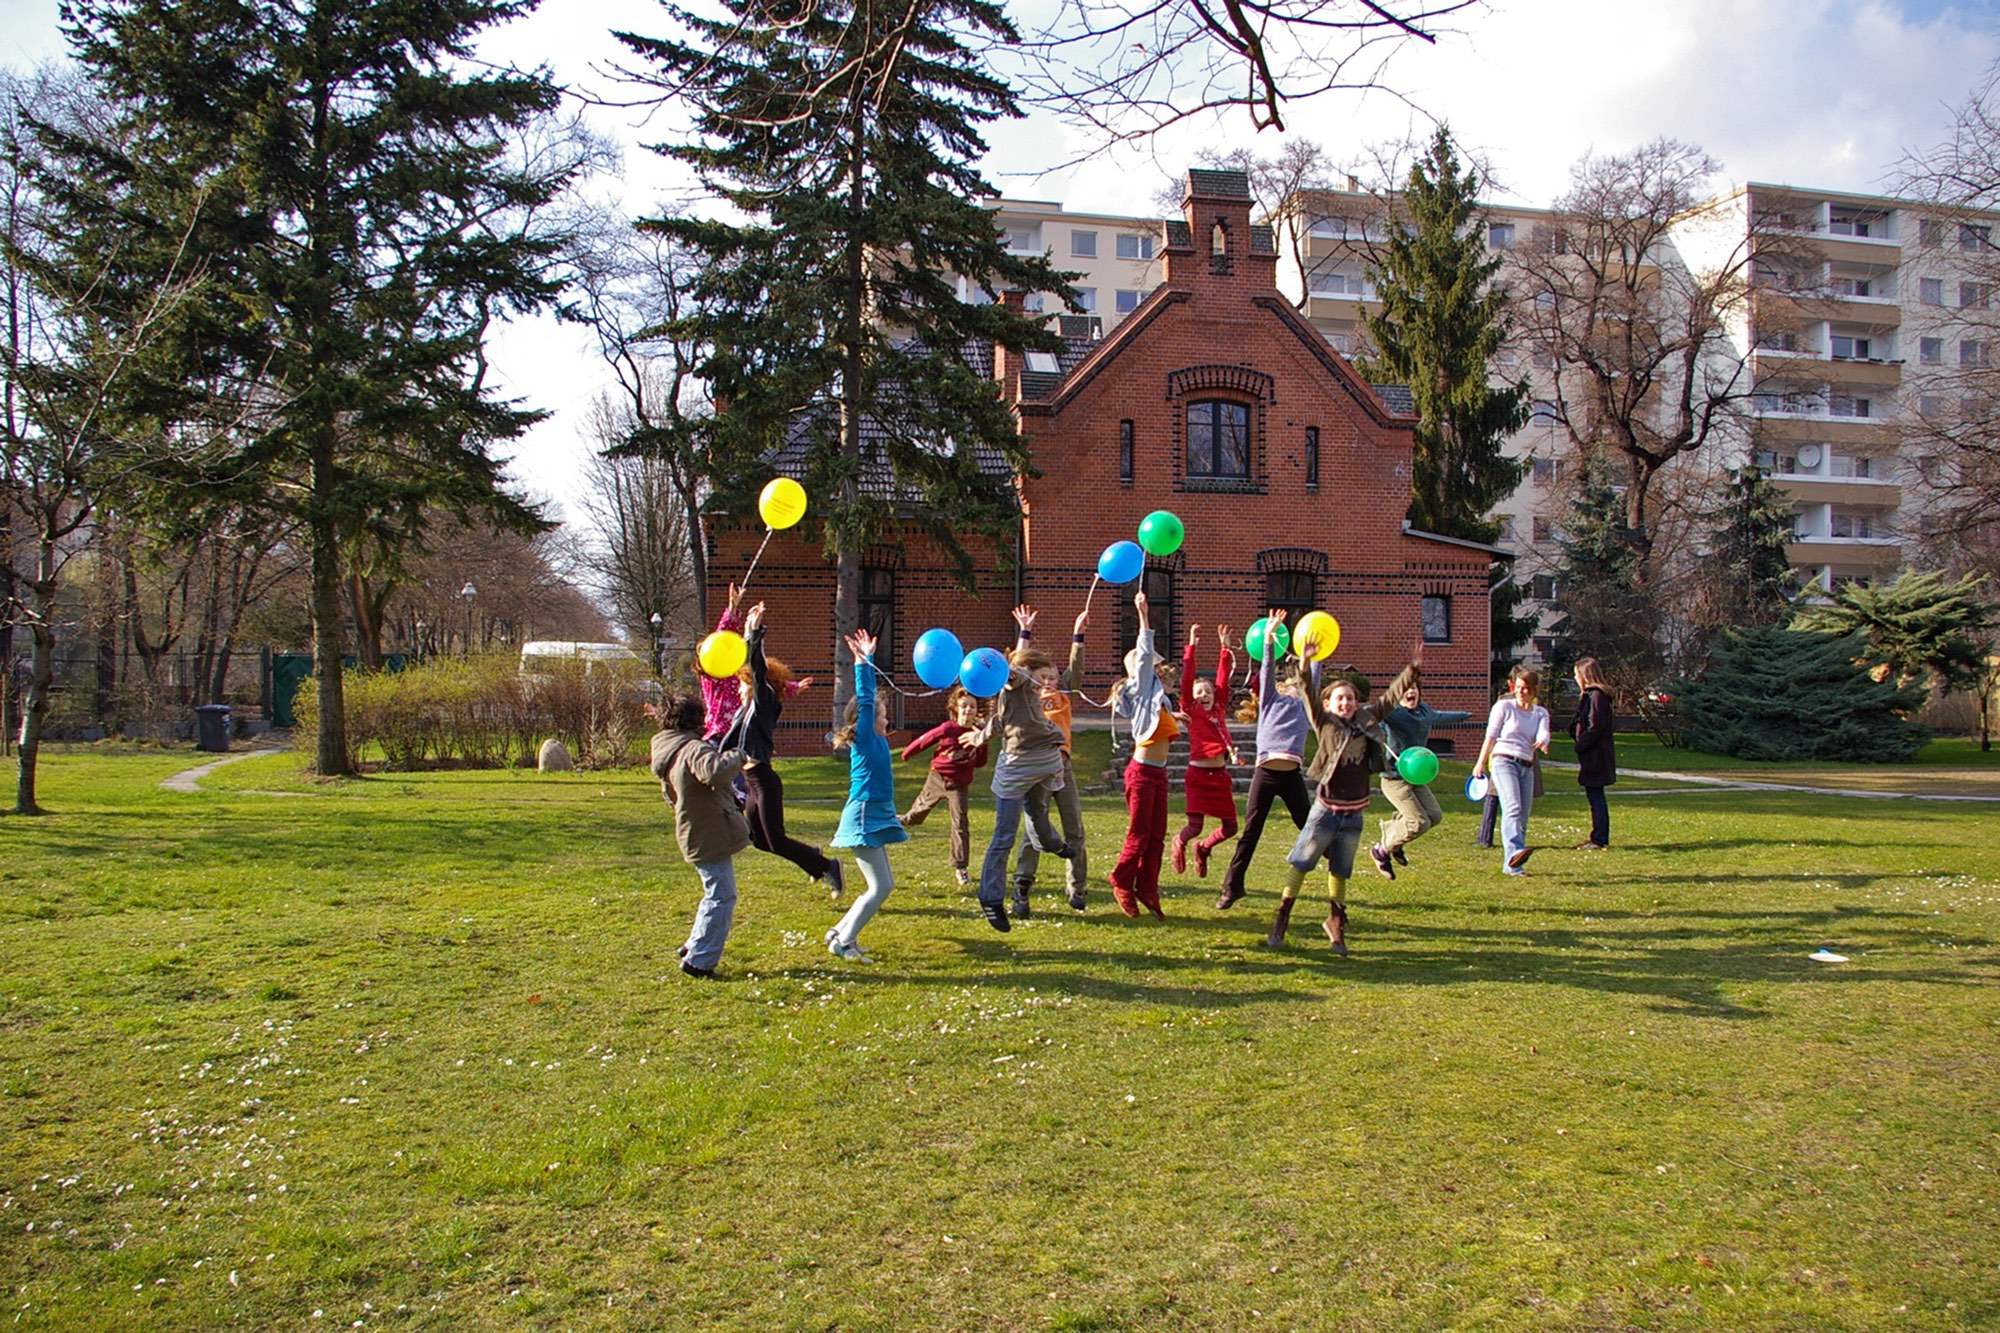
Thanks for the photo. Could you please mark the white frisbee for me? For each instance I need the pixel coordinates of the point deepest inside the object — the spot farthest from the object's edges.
(1476, 789)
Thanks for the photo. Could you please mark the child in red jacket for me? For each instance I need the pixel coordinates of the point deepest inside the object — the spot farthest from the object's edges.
(1209, 788)
(960, 754)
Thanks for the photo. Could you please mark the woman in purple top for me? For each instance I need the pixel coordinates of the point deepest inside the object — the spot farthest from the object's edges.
(1282, 729)
(1515, 729)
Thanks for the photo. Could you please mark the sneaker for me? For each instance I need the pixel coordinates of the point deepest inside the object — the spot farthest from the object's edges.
(849, 951)
(699, 973)
(1200, 861)
(1398, 857)
(1077, 899)
(1588, 846)
(836, 880)
(1180, 856)
(1123, 897)
(1520, 858)
(681, 952)
(1019, 906)
(1336, 932)
(1230, 897)
(996, 916)
(964, 877)
(1383, 866)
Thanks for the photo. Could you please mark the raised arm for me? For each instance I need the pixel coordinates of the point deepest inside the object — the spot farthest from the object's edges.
(943, 731)
(1072, 677)
(760, 671)
(1267, 670)
(1024, 625)
(1225, 668)
(1188, 667)
(862, 644)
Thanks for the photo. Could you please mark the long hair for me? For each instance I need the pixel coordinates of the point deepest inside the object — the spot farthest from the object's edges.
(1031, 659)
(850, 721)
(775, 671)
(1522, 671)
(1591, 676)
(681, 712)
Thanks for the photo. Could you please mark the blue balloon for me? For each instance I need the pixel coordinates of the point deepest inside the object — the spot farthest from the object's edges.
(1121, 562)
(936, 657)
(983, 672)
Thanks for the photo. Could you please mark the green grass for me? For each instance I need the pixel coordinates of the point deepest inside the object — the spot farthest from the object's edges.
(413, 1049)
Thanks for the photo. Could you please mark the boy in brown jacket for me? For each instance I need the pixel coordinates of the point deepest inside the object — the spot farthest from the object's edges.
(695, 779)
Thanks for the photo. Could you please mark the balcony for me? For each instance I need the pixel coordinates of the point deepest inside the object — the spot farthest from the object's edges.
(1873, 552)
(1852, 371)
(1854, 492)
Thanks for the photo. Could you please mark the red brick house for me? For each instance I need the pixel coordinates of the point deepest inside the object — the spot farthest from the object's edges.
(1218, 401)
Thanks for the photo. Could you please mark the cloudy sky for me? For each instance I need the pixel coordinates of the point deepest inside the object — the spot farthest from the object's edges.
(1826, 93)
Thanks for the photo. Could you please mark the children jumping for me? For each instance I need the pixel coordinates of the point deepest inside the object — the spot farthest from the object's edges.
(960, 741)
(1142, 701)
(1031, 763)
(1282, 729)
(1208, 789)
(763, 688)
(1057, 707)
(694, 781)
(1407, 723)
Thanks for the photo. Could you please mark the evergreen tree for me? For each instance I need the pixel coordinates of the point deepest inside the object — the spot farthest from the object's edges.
(1441, 323)
(845, 137)
(1604, 607)
(1920, 625)
(1510, 628)
(361, 221)
(1772, 693)
(1752, 579)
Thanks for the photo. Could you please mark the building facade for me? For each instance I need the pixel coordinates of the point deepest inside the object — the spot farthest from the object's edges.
(1214, 399)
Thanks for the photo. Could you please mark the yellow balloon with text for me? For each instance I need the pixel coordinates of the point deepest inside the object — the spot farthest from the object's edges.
(1318, 631)
(723, 653)
(782, 504)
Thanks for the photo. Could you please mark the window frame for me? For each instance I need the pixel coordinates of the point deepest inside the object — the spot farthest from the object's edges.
(1283, 592)
(1213, 473)
(1125, 452)
(1118, 302)
(868, 594)
(1930, 351)
(1079, 247)
(1158, 583)
(1930, 291)
(1442, 601)
(1312, 458)
(1142, 245)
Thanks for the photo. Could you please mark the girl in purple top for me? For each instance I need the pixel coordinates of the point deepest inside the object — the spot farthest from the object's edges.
(1282, 729)
(1515, 729)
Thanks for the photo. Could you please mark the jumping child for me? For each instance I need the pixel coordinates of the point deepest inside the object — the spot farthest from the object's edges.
(1408, 722)
(1141, 699)
(1030, 766)
(961, 751)
(868, 822)
(1282, 729)
(1350, 753)
(1057, 707)
(764, 684)
(694, 782)
(1208, 789)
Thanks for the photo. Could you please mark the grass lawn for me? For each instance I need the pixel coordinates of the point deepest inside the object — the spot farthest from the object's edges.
(414, 1050)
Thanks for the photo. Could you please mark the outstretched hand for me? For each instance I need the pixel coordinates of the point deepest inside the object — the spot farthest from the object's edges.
(1194, 635)
(755, 618)
(1024, 616)
(1277, 616)
(861, 643)
(735, 596)
(802, 684)
(1222, 636)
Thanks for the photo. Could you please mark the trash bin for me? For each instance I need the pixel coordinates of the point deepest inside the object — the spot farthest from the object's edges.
(211, 727)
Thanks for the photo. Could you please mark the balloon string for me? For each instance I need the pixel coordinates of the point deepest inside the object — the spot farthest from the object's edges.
(744, 586)
(1092, 593)
(888, 680)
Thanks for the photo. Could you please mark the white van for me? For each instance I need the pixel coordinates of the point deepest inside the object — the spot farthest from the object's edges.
(537, 653)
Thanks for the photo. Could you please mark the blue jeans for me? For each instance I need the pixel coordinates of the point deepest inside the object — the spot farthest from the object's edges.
(715, 913)
(1006, 823)
(875, 873)
(1330, 833)
(1514, 784)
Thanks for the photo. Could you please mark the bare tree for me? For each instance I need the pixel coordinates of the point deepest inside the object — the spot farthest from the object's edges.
(633, 289)
(637, 533)
(1635, 299)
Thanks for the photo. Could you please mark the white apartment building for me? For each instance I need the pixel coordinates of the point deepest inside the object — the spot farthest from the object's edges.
(1117, 256)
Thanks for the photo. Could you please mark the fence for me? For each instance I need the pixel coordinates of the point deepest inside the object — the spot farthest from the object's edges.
(92, 695)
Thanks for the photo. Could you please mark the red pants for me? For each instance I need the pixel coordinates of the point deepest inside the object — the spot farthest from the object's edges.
(1138, 868)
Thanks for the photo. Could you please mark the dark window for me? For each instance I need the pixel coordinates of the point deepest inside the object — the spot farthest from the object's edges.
(1437, 619)
(1218, 440)
(1294, 592)
(1159, 585)
(1542, 587)
(1125, 452)
(1312, 458)
(878, 610)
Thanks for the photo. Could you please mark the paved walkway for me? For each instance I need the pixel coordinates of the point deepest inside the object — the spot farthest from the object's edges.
(1746, 784)
(188, 780)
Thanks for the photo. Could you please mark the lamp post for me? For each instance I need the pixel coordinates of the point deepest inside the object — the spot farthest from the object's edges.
(658, 622)
(417, 648)
(468, 592)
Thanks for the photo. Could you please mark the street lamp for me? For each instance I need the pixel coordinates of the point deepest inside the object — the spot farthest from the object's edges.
(468, 592)
(658, 621)
(418, 646)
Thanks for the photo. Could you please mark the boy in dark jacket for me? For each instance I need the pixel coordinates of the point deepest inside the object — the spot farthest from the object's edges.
(695, 780)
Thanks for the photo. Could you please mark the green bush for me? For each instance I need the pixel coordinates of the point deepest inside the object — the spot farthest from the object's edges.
(1796, 694)
(484, 712)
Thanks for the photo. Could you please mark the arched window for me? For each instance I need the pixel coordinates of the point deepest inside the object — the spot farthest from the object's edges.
(1218, 440)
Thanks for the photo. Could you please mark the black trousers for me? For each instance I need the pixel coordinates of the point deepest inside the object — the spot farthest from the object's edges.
(1267, 785)
(1600, 816)
(765, 811)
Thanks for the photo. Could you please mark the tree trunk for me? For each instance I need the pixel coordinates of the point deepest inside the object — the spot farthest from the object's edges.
(847, 561)
(41, 675)
(697, 563)
(330, 753)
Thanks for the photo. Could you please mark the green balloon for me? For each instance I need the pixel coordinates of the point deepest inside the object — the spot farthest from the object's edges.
(1262, 634)
(1417, 766)
(1161, 533)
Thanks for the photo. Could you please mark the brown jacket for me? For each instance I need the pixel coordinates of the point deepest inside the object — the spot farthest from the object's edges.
(694, 779)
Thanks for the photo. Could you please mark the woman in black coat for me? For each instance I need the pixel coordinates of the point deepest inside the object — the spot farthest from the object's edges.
(1596, 755)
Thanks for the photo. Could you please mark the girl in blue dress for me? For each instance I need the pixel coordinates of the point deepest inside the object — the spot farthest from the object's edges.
(868, 823)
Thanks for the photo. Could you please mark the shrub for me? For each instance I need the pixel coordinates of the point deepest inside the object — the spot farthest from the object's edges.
(1796, 694)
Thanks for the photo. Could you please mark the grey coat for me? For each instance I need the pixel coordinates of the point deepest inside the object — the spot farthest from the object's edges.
(695, 780)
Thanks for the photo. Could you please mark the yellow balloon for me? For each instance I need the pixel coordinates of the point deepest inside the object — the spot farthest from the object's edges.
(1321, 630)
(782, 504)
(723, 653)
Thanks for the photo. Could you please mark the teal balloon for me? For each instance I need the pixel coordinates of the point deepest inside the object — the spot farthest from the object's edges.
(1161, 533)
(1262, 633)
(983, 673)
(1417, 766)
(937, 658)
(1121, 562)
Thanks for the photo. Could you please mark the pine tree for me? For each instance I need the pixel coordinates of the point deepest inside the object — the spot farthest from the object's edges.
(1442, 321)
(1921, 626)
(1748, 580)
(1771, 693)
(361, 222)
(1510, 628)
(1604, 607)
(845, 137)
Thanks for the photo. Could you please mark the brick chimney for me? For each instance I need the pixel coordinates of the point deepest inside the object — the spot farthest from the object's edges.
(1007, 365)
(1215, 243)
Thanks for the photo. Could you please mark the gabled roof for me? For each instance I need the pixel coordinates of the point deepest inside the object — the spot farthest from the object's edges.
(1203, 184)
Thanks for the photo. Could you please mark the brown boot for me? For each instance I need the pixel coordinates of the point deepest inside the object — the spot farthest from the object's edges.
(1336, 928)
(1280, 923)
